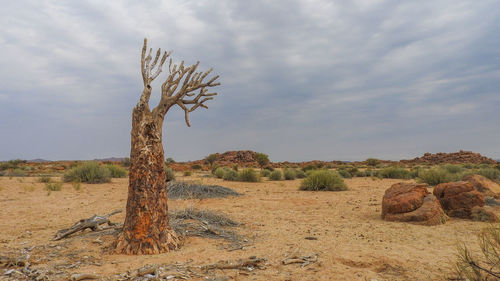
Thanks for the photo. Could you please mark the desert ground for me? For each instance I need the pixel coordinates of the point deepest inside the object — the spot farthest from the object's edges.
(343, 229)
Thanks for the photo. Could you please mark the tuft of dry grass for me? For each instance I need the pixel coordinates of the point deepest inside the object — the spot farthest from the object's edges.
(193, 190)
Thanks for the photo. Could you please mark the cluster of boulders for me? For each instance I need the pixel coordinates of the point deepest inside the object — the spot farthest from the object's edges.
(473, 198)
(460, 157)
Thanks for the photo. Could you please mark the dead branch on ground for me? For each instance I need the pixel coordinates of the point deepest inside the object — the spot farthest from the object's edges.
(93, 223)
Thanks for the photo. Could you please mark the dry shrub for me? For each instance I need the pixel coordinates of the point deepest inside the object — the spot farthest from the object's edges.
(193, 190)
(486, 265)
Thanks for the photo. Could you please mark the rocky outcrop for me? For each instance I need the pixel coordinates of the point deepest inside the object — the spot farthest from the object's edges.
(408, 202)
(460, 157)
(458, 198)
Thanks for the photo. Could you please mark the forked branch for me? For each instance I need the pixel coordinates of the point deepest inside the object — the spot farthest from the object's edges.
(150, 70)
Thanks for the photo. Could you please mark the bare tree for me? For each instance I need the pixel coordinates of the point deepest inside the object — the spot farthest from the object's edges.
(146, 229)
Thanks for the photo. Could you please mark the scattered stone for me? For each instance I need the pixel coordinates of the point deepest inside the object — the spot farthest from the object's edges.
(409, 202)
(458, 198)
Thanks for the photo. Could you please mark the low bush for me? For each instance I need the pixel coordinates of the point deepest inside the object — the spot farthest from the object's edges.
(345, 174)
(372, 162)
(309, 167)
(300, 174)
(170, 174)
(248, 175)
(126, 162)
(275, 175)
(196, 167)
(265, 173)
(53, 186)
(323, 180)
(187, 173)
(289, 174)
(490, 173)
(453, 169)
(394, 173)
(230, 175)
(436, 176)
(116, 171)
(219, 172)
(89, 172)
(13, 173)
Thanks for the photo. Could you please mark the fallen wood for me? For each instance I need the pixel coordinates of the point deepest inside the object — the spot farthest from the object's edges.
(93, 223)
(304, 261)
(245, 264)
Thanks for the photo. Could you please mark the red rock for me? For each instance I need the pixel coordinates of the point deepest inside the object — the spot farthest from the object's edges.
(485, 214)
(458, 198)
(403, 198)
(430, 213)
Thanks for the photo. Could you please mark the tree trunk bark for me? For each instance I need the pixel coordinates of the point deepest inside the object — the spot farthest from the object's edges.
(146, 229)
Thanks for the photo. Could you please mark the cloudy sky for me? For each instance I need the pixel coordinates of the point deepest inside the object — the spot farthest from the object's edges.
(301, 80)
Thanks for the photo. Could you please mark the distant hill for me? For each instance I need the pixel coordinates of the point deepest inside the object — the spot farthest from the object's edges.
(38, 160)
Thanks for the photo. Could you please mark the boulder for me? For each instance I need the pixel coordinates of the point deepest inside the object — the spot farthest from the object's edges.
(484, 185)
(458, 198)
(409, 202)
(485, 214)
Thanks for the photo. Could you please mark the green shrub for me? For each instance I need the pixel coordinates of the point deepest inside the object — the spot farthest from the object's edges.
(230, 175)
(170, 174)
(453, 169)
(11, 164)
(289, 174)
(299, 173)
(249, 175)
(265, 173)
(323, 180)
(345, 174)
(436, 176)
(17, 172)
(116, 171)
(196, 167)
(275, 175)
(219, 172)
(235, 167)
(490, 173)
(169, 161)
(89, 172)
(262, 159)
(269, 168)
(53, 186)
(45, 179)
(394, 173)
(372, 162)
(187, 173)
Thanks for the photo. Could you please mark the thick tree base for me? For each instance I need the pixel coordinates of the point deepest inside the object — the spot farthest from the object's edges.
(148, 246)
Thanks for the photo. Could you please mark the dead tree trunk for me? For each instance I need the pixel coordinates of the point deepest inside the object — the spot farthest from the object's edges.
(146, 229)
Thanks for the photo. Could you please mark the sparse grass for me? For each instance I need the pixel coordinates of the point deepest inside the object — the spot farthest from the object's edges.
(187, 173)
(77, 185)
(275, 175)
(89, 172)
(394, 173)
(29, 188)
(323, 180)
(44, 179)
(248, 175)
(116, 171)
(53, 186)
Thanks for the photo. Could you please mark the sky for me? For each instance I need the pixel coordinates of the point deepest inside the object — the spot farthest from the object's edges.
(300, 80)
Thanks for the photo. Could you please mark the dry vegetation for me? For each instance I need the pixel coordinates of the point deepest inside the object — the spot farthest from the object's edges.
(273, 231)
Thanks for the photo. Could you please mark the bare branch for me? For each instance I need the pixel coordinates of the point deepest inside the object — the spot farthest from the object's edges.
(147, 68)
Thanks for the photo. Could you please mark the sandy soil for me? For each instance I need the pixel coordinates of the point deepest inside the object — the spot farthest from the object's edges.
(353, 243)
